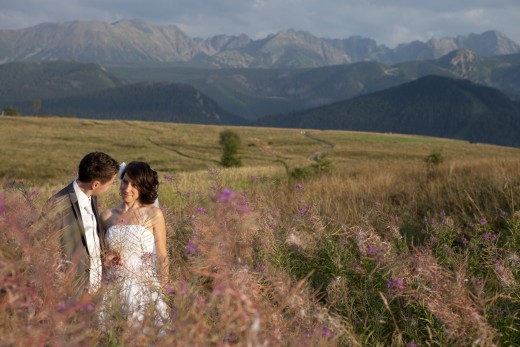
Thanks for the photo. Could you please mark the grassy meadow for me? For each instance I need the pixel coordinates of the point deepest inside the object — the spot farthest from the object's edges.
(321, 238)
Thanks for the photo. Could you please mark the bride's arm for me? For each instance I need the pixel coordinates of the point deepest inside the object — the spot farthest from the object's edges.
(110, 258)
(159, 232)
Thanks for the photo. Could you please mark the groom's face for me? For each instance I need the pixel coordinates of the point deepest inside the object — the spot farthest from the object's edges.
(100, 188)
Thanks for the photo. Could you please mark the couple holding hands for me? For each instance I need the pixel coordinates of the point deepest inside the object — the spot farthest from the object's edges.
(124, 246)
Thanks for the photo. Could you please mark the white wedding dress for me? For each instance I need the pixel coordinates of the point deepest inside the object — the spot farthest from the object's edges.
(135, 282)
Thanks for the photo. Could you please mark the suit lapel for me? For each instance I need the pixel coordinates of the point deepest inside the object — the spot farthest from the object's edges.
(99, 227)
(77, 214)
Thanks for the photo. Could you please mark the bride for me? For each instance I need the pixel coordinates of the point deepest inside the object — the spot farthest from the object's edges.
(136, 243)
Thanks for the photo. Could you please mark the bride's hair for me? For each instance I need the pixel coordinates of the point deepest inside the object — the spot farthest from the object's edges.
(145, 178)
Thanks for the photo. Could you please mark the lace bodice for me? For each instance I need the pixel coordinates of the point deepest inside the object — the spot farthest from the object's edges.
(135, 279)
(135, 244)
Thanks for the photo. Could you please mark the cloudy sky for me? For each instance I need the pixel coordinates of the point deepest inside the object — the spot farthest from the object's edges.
(388, 22)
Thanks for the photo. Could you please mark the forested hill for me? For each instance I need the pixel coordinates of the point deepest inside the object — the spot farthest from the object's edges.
(432, 105)
(164, 102)
(29, 81)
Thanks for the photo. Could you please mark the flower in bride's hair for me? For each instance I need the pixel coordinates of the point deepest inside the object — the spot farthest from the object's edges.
(121, 169)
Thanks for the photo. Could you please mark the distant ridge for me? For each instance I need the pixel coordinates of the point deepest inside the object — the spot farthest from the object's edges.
(432, 105)
(30, 80)
(138, 42)
(163, 102)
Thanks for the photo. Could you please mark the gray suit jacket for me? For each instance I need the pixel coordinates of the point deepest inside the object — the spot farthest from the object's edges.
(68, 223)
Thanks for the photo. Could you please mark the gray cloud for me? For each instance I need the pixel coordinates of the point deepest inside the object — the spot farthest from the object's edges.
(388, 22)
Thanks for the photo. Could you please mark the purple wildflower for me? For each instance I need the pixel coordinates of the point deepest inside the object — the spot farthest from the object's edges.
(147, 258)
(201, 210)
(64, 307)
(396, 283)
(372, 251)
(432, 239)
(226, 195)
(299, 186)
(489, 236)
(88, 307)
(168, 288)
(304, 209)
(243, 206)
(2, 203)
(503, 213)
(213, 171)
(499, 312)
(169, 177)
(191, 247)
(326, 332)
(61, 308)
(483, 221)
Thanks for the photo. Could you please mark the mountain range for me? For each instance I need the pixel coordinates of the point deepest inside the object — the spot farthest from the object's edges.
(138, 42)
(466, 87)
(252, 93)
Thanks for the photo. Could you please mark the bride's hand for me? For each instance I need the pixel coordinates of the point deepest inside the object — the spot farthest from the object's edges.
(112, 258)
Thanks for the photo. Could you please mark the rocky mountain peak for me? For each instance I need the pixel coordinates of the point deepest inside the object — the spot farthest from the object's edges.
(136, 41)
(488, 43)
(462, 62)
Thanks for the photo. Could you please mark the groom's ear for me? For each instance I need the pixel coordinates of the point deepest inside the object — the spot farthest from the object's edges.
(95, 184)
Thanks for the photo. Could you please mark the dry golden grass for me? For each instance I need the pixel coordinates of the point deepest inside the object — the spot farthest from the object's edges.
(382, 249)
(47, 150)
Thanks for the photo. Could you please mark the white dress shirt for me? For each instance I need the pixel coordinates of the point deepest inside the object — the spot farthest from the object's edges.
(91, 236)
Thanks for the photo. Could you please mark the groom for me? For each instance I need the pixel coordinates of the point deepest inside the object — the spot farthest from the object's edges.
(76, 219)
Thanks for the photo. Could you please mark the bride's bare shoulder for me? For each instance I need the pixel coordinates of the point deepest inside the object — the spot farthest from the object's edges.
(154, 212)
(110, 213)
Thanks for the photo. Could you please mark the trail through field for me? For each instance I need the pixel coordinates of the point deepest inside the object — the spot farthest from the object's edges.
(319, 154)
(170, 148)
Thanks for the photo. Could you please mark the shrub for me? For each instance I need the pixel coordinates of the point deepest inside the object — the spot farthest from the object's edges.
(231, 144)
(10, 111)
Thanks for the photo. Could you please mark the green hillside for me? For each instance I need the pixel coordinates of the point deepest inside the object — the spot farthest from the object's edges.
(30, 81)
(432, 105)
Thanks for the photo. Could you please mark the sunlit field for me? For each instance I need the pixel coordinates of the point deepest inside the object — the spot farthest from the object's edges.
(321, 238)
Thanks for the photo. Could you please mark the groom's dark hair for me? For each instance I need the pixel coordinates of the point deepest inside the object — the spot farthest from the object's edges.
(145, 178)
(97, 166)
